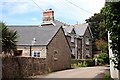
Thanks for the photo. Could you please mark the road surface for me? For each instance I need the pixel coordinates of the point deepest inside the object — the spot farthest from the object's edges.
(84, 72)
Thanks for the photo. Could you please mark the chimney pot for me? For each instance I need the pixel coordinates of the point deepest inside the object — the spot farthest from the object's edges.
(48, 16)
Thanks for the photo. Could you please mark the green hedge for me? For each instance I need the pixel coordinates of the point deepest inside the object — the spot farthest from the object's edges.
(90, 62)
(82, 62)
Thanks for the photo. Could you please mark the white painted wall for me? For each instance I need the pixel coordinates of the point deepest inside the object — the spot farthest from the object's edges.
(113, 71)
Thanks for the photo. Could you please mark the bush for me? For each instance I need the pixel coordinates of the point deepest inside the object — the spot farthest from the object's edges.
(104, 57)
(82, 63)
(107, 77)
(101, 62)
(90, 62)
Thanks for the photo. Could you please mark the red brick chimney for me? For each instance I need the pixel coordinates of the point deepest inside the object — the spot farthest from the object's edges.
(48, 15)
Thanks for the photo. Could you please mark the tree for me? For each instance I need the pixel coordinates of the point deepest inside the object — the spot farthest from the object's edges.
(8, 39)
(97, 26)
(102, 46)
(96, 23)
(111, 13)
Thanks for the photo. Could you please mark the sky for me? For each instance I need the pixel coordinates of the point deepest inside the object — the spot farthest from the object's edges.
(30, 12)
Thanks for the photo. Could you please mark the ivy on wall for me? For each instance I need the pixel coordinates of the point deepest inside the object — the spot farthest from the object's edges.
(111, 13)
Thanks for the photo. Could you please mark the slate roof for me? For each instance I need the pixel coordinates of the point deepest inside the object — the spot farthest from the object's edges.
(55, 23)
(79, 29)
(58, 23)
(67, 29)
(43, 35)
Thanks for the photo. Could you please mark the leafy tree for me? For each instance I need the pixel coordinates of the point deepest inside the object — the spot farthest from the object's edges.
(8, 39)
(102, 45)
(96, 23)
(97, 26)
(111, 13)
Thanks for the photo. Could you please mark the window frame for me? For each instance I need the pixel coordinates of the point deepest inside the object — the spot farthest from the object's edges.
(87, 40)
(72, 38)
(36, 53)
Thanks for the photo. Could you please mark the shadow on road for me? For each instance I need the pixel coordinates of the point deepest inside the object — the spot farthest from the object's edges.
(101, 75)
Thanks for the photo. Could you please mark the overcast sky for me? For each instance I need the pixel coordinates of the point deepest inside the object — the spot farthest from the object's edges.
(29, 12)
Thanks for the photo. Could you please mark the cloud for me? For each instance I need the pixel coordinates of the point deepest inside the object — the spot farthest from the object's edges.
(14, 1)
(34, 19)
(18, 7)
(63, 8)
(25, 6)
(1, 14)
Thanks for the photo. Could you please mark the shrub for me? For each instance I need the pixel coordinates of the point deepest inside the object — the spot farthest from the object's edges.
(82, 63)
(90, 62)
(107, 77)
(101, 62)
(104, 56)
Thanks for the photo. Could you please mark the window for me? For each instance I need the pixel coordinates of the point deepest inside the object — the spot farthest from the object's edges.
(55, 55)
(73, 51)
(19, 53)
(87, 40)
(72, 38)
(38, 54)
(35, 53)
(87, 51)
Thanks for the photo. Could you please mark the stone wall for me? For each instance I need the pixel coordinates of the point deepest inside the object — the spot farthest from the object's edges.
(26, 50)
(58, 53)
(79, 48)
(89, 47)
(19, 67)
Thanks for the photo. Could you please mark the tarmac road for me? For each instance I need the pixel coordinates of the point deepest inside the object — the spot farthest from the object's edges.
(78, 73)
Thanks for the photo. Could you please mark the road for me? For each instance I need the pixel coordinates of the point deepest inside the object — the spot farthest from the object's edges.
(84, 72)
(0, 68)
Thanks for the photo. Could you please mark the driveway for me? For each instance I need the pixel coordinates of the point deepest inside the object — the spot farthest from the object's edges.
(84, 72)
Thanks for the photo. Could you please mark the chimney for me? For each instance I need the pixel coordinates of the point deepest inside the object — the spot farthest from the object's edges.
(48, 16)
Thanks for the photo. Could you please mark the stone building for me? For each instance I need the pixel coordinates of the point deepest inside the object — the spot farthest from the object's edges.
(79, 36)
(80, 39)
(47, 42)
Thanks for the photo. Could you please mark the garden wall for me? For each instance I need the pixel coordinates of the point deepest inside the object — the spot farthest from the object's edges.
(19, 67)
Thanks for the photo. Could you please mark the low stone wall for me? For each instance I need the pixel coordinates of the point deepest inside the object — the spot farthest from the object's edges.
(20, 67)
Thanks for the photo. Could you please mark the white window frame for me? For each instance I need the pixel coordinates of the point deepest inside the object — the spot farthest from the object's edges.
(36, 53)
(87, 40)
(73, 51)
(72, 38)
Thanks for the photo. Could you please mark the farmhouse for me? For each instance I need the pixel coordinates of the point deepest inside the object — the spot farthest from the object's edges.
(47, 42)
(79, 36)
(55, 41)
(80, 39)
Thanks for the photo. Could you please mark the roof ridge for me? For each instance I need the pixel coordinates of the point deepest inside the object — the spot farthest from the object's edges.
(23, 25)
(61, 22)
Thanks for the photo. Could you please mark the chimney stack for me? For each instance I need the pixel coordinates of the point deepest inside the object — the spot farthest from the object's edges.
(48, 16)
